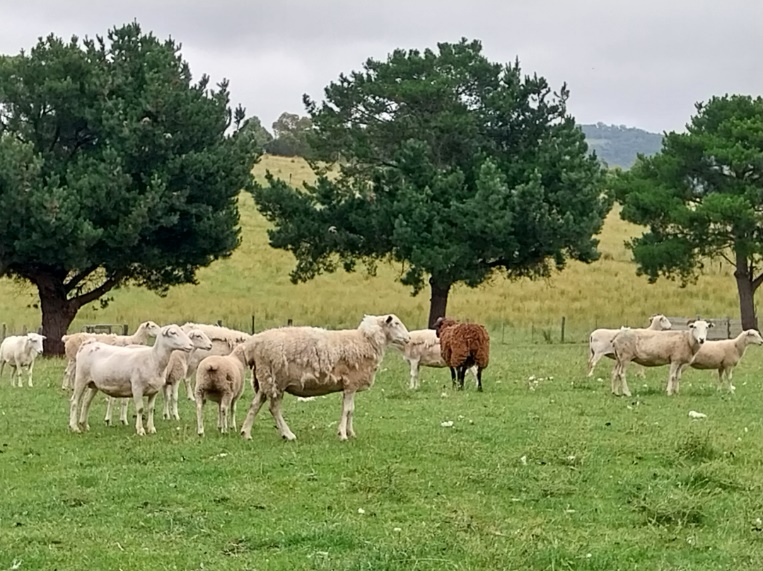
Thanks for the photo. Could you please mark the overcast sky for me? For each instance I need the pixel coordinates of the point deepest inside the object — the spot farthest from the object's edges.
(641, 63)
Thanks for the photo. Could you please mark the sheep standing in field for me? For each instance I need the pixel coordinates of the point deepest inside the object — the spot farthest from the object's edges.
(600, 341)
(220, 379)
(20, 351)
(223, 342)
(311, 361)
(124, 372)
(463, 345)
(174, 373)
(73, 342)
(423, 350)
(724, 355)
(654, 349)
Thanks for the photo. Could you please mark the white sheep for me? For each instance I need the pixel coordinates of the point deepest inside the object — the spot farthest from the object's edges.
(724, 355)
(73, 342)
(224, 340)
(656, 348)
(220, 379)
(311, 361)
(124, 372)
(20, 351)
(173, 374)
(423, 350)
(600, 341)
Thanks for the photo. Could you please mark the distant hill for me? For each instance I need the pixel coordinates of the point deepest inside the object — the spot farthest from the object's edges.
(617, 145)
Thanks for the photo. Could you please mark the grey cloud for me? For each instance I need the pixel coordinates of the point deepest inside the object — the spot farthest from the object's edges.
(638, 63)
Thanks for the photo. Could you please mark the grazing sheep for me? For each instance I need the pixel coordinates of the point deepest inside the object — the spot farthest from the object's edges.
(600, 341)
(123, 372)
(724, 355)
(424, 350)
(463, 345)
(656, 348)
(220, 379)
(173, 374)
(310, 361)
(20, 351)
(73, 342)
(223, 342)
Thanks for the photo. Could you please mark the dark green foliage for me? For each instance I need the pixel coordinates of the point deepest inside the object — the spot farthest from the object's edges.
(450, 164)
(253, 128)
(290, 136)
(114, 168)
(702, 197)
(618, 145)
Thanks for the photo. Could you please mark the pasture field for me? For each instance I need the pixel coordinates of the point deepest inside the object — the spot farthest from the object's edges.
(606, 483)
(255, 281)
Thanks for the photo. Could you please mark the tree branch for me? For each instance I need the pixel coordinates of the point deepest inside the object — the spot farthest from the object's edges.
(94, 294)
(77, 278)
(757, 281)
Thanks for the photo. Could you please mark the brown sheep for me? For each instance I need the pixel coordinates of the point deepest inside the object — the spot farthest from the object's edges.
(462, 346)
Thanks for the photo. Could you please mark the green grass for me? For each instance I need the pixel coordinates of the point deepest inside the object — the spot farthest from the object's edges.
(255, 281)
(608, 483)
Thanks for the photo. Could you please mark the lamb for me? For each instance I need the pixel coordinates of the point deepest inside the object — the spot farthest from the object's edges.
(600, 341)
(173, 374)
(20, 351)
(220, 379)
(311, 361)
(463, 345)
(123, 372)
(724, 355)
(656, 348)
(224, 340)
(73, 342)
(424, 350)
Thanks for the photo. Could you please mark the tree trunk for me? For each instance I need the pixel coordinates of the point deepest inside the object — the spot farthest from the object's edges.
(746, 290)
(57, 314)
(438, 303)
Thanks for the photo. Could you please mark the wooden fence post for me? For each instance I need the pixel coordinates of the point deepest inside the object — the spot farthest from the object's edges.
(289, 322)
(219, 322)
(24, 330)
(124, 329)
(5, 330)
(564, 319)
(252, 323)
(728, 327)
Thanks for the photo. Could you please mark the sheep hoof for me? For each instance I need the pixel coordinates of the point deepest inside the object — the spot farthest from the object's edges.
(245, 435)
(140, 432)
(289, 437)
(200, 433)
(74, 429)
(152, 430)
(176, 417)
(191, 398)
(342, 438)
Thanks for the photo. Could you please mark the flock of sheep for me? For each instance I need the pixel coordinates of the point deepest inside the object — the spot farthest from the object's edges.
(311, 361)
(302, 361)
(658, 345)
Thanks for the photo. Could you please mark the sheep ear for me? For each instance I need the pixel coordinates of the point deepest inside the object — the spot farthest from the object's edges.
(710, 324)
(389, 319)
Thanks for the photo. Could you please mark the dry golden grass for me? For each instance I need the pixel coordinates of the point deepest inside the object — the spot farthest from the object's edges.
(255, 281)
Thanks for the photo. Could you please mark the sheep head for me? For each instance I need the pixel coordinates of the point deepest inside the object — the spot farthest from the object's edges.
(443, 323)
(699, 329)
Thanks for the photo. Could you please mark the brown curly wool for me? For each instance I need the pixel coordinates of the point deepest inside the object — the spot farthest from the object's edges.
(463, 345)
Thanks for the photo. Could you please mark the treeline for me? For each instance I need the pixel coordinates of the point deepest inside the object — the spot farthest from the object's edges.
(615, 145)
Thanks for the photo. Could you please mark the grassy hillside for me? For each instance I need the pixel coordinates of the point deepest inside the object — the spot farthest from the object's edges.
(255, 281)
(618, 145)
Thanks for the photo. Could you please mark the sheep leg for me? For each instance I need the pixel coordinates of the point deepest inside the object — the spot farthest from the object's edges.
(233, 413)
(479, 379)
(254, 408)
(189, 391)
(174, 394)
(593, 358)
(414, 384)
(109, 406)
(85, 411)
(224, 411)
(640, 371)
(123, 411)
(137, 397)
(74, 402)
(453, 377)
(275, 410)
(729, 373)
(461, 375)
(200, 415)
(29, 373)
(151, 428)
(66, 383)
(166, 397)
(220, 415)
(673, 378)
(345, 422)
